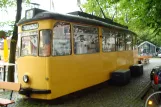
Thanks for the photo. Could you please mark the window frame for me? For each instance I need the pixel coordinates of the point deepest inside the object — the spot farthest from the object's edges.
(20, 50)
(52, 45)
(89, 26)
(114, 33)
(39, 43)
(131, 45)
(122, 34)
(134, 42)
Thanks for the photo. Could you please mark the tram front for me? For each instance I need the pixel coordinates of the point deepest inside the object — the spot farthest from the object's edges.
(34, 45)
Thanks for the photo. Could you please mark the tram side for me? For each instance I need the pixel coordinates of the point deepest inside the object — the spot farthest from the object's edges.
(78, 56)
(88, 67)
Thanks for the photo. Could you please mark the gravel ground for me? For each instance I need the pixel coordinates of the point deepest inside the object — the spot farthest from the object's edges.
(101, 96)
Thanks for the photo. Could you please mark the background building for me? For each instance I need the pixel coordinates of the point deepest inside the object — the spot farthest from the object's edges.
(147, 48)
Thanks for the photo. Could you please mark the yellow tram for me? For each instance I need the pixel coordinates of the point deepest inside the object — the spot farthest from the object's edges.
(60, 54)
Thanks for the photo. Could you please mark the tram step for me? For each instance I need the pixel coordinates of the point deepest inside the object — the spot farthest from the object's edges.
(120, 77)
(136, 70)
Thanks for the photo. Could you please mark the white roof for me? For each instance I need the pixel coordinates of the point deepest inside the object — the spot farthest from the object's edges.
(146, 42)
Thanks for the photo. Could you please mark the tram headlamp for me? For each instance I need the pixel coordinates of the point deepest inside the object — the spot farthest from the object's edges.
(26, 78)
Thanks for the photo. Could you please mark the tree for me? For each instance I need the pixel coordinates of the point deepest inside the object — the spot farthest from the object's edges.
(14, 42)
(139, 15)
(2, 34)
(3, 5)
(7, 24)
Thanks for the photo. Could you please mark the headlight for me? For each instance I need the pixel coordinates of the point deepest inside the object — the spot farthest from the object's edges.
(25, 78)
(150, 102)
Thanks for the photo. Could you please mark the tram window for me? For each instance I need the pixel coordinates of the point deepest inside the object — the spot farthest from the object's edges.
(85, 39)
(134, 42)
(61, 39)
(18, 45)
(108, 40)
(120, 42)
(29, 44)
(45, 43)
(128, 42)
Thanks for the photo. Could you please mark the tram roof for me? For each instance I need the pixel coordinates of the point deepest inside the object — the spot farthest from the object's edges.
(72, 18)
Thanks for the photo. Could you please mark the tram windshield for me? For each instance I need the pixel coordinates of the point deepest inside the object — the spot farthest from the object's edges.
(45, 43)
(29, 44)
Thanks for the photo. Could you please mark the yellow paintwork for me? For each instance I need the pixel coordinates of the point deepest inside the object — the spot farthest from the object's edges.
(5, 50)
(66, 74)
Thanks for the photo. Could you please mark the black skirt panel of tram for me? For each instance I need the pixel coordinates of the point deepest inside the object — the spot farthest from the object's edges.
(29, 91)
(136, 70)
(120, 77)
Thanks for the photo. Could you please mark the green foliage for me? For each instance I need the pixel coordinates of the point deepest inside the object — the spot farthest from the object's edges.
(3, 6)
(9, 23)
(2, 34)
(7, 3)
(141, 16)
(10, 3)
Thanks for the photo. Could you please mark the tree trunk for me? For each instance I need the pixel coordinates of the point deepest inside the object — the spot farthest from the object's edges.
(13, 44)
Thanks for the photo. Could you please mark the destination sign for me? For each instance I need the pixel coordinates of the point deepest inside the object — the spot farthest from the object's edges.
(30, 27)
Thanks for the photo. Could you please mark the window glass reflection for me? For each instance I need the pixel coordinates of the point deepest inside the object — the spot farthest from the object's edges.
(45, 43)
(108, 40)
(61, 39)
(29, 44)
(85, 39)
